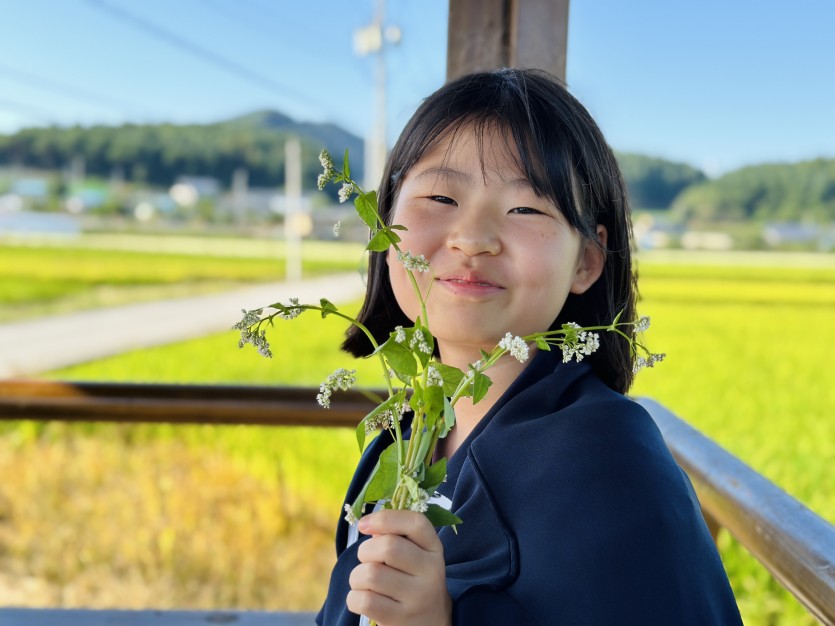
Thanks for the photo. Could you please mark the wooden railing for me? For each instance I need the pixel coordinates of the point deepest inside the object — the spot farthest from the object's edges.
(792, 542)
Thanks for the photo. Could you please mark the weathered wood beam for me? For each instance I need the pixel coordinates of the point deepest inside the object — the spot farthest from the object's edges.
(177, 404)
(485, 35)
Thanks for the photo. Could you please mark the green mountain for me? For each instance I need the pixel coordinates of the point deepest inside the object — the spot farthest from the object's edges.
(654, 183)
(158, 153)
(802, 191)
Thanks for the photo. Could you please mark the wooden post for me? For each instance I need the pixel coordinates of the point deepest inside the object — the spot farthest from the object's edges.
(485, 35)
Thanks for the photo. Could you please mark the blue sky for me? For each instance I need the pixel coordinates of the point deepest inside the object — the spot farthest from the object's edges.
(717, 84)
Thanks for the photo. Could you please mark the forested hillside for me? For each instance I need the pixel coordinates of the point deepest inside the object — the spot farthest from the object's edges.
(780, 191)
(158, 154)
(654, 183)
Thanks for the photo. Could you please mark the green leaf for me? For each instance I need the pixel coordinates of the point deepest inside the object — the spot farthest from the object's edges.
(381, 486)
(481, 383)
(366, 206)
(423, 447)
(399, 357)
(439, 516)
(433, 405)
(434, 476)
(379, 242)
(542, 344)
(346, 168)
(449, 418)
(328, 307)
(452, 377)
(398, 227)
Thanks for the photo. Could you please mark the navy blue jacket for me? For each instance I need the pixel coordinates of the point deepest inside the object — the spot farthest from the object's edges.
(575, 514)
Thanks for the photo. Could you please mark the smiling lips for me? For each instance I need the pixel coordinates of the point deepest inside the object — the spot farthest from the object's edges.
(469, 284)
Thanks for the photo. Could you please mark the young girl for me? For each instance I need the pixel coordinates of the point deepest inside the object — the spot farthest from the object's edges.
(574, 511)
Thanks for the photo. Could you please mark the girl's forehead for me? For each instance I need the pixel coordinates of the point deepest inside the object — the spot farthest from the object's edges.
(488, 150)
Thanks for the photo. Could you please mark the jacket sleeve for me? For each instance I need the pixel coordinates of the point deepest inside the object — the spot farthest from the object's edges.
(609, 531)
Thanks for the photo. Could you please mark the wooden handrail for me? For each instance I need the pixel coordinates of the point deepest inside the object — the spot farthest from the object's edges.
(791, 541)
(177, 404)
(795, 544)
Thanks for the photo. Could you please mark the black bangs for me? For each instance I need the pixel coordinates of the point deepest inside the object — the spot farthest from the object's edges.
(560, 150)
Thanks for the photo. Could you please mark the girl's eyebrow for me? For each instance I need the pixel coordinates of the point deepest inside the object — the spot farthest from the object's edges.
(444, 172)
(521, 183)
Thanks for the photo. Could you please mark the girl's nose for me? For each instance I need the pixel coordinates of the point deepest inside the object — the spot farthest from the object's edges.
(474, 233)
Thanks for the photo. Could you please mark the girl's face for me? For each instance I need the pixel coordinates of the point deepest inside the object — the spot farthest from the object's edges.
(501, 258)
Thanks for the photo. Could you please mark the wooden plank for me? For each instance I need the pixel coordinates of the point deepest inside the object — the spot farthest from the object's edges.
(485, 35)
(179, 404)
(795, 544)
(88, 617)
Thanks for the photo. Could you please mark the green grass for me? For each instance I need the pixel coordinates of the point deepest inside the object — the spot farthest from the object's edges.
(748, 350)
(87, 273)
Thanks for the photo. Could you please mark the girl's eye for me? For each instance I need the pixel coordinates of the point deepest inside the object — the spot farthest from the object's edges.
(525, 210)
(442, 199)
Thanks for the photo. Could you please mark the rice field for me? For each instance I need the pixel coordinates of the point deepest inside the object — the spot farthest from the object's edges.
(107, 515)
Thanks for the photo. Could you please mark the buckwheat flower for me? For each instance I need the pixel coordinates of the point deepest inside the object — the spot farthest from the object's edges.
(580, 345)
(327, 167)
(336, 228)
(421, 503)
(415, 263)
(642, 324)
(384, 420)
(340, 379)
(251, 318)
(516, 346)
(349, 515)
(640, 363)
(419, 341)
(259, 340)
(346, 191)
(291, 311)
(325, 160)
(433, 377)
(399, 334)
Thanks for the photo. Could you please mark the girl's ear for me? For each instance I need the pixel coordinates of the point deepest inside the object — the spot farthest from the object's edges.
(592, 259)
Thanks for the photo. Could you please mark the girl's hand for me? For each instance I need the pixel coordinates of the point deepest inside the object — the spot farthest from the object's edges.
(401, 578)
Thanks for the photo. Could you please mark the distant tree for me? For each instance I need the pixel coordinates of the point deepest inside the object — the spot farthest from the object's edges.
(775, 192)
(158, 154)
(654, 183)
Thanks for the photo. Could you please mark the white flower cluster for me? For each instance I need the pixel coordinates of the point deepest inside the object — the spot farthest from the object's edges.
(419, 341)
(516, 346)
(336, 228)
(384, 420)
(253, 336)
(433, 377)
(399, 334)
(291, 311)
(340, 379)
(411, 262)
(642, 324)
(327, 166)
(579, 344)
(421, 503)
(346, 191)
(650, 361)
(349, 515)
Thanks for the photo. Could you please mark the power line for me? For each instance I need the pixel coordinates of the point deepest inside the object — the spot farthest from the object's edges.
(63, 89)
(201, 53)
(29, 110)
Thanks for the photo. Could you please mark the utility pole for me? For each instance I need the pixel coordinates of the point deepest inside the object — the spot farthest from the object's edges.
(293, 208)
(372, 39)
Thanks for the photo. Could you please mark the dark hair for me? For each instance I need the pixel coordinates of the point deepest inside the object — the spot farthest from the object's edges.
(566, 159)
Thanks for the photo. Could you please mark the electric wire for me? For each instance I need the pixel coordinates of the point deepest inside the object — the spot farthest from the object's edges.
(206, 55)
